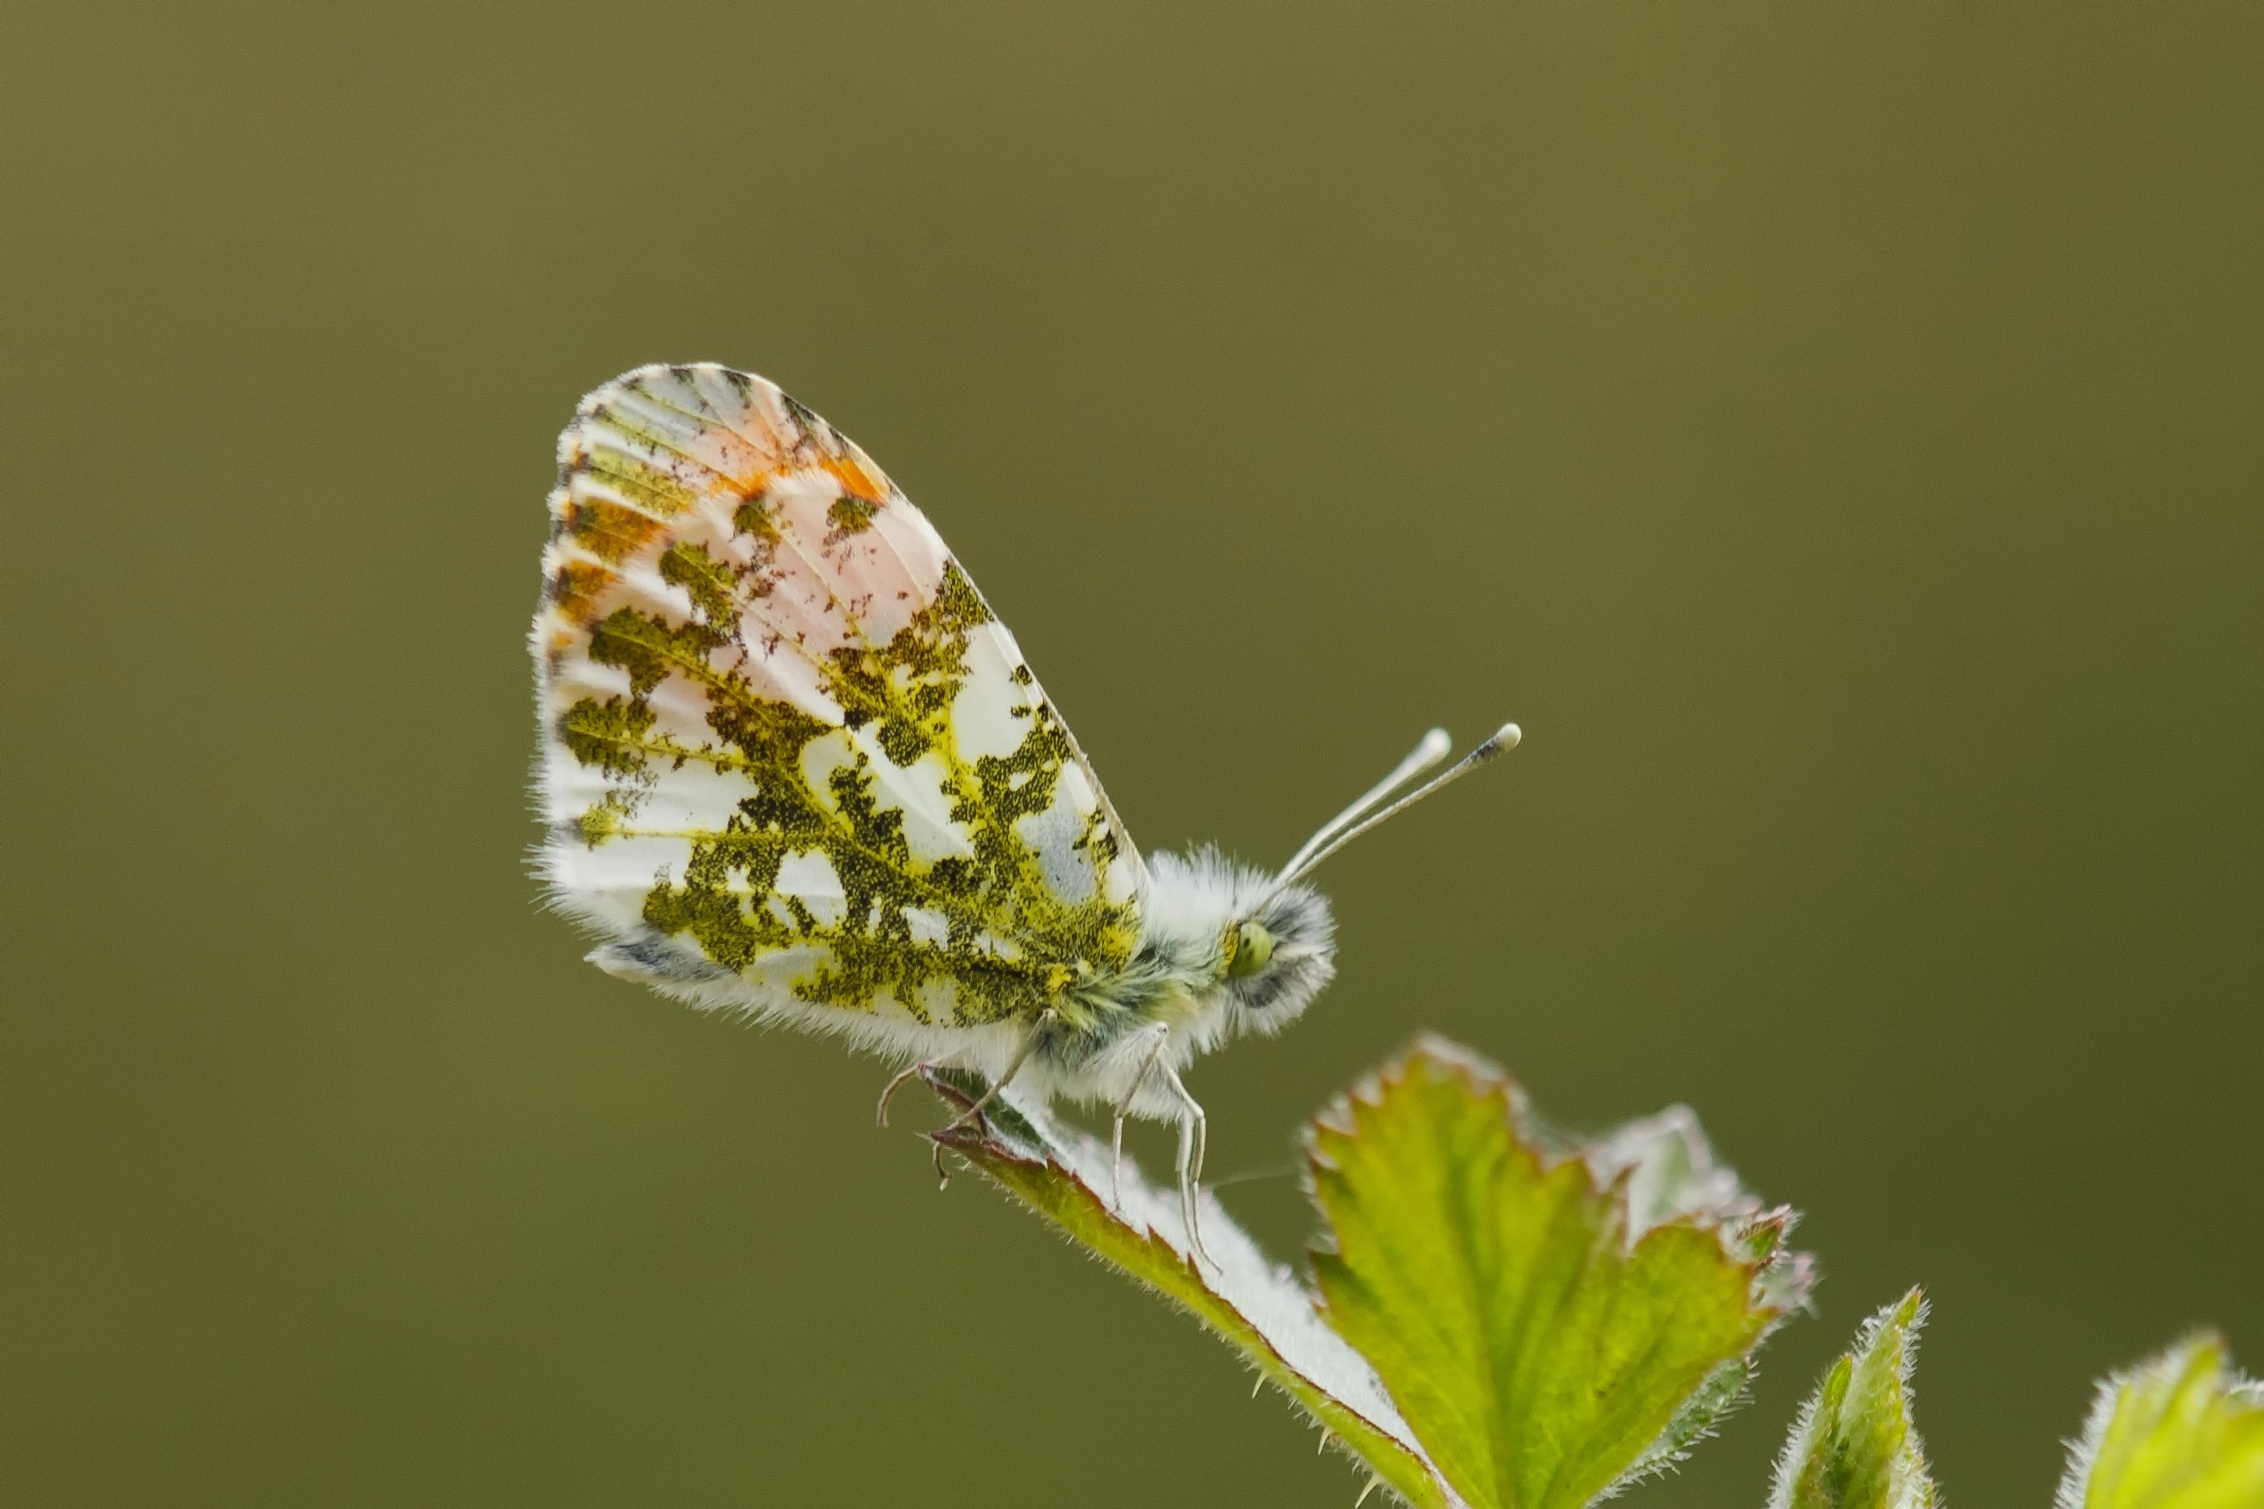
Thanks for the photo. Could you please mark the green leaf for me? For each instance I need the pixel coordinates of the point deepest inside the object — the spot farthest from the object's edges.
(1257, 1306)
(2183, 1431)
(1552, 1318)
(1855, 1446)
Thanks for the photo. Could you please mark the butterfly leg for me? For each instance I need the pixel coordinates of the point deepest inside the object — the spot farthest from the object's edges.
(1194, 1135)
(888, 1091)
(1162, 1035)
(1013, 1067)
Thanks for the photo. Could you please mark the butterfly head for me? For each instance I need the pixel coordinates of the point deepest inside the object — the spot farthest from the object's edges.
(1252, 950)
(1253, 953)
(1276, 957)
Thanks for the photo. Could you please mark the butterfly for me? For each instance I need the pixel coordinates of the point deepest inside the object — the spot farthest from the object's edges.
(793, 767)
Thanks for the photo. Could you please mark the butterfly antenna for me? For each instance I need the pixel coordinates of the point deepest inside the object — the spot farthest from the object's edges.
(1429, 752)
(1336, 836)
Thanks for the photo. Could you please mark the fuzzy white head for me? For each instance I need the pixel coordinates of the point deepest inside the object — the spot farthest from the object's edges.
(1253, 951)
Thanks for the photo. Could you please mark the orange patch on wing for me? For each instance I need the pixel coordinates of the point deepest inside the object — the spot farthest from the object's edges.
(856, 479)
(609, 531)
(576, 587)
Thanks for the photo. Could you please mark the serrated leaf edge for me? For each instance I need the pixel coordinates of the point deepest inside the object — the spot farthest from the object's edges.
(1753, 1237)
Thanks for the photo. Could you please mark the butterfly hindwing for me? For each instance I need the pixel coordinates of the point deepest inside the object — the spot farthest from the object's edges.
(791, 761)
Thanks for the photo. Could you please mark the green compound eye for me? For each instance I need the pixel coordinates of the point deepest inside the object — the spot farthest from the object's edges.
(1249, 947)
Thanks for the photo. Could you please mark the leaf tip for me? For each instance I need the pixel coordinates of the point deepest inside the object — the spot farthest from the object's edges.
(2182, 1430)
(1855, 1444)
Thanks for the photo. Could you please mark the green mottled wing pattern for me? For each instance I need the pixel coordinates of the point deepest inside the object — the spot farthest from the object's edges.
(791, 762)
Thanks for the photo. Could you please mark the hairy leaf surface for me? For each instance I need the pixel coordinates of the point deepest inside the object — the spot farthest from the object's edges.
(2183, 1431)
(1553, 1319)
(1855, 1446)
(1257, 1306)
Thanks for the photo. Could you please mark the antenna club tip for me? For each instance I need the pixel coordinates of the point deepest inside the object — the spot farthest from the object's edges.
(1435, 743)
(1504, 740)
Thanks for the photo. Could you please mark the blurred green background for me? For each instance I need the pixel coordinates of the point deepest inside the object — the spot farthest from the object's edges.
(1832, 430)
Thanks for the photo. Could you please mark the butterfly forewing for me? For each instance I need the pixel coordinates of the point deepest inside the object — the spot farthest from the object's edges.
(791, 761)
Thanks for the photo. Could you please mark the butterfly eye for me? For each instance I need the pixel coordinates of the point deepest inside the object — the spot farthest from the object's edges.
(1248, 948)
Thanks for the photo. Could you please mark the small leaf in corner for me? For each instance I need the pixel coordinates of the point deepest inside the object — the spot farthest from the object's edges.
(2183, 1431)
(1855, 1446)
